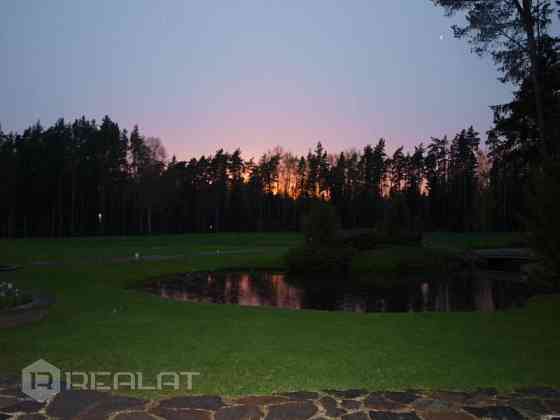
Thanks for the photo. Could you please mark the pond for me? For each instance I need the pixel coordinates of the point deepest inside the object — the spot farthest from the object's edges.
(279, 290)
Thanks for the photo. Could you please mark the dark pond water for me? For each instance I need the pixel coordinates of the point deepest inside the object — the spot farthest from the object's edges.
(277, 290)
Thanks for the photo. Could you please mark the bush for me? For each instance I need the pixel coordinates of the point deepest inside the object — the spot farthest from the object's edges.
(320, 224)
(319, 260)
(11, 296)
(370, 239)
(390, 266)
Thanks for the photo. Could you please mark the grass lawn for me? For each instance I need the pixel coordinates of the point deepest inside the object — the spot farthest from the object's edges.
(98, 324)
(396, 260)
(463, 241)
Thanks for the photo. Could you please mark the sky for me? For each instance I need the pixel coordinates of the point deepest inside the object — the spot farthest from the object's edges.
(253, 74)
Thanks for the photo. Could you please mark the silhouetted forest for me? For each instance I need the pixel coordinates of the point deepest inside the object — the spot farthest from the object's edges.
(85, 178)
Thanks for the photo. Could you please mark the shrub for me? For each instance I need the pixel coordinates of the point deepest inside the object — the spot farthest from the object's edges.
(390, 266)
(308, 259)
(320, 224)
(10, 296)
(370, 239)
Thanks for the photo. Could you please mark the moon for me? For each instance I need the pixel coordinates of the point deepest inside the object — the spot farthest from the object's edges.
(441, 37)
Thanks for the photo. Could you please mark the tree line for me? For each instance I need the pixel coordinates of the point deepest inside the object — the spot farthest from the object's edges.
(86, 178)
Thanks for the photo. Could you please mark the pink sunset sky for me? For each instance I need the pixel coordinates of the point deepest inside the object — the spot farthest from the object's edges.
(246, 74)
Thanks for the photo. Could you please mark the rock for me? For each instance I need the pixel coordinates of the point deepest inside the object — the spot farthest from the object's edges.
(336, 413)
(9, 381)
(134, 415)
(351, 404)
(171, 414)
(7, 401)
(356, 416)
(14, 391)
(28, 406)
(195, 402)
(112, 405)
(480, 399)
(301, 395)
(348, 394)
(415, 391)
(260, 400)
(504, 399)
(291, 411)
(71, 403)
(377, 402)
(553, 405)
(489, 392)
(240, 412)
(541, 392)
(529, 406)
(446, 415)
(32, 417)
(495, 412)
(380, 415)
(331, 407)
(432, 405)
(401, 397)
(328, 402)
(456, 397)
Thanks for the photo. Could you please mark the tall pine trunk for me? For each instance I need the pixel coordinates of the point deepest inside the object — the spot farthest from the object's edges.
(525, 11)
(149, 219)
(73, 206)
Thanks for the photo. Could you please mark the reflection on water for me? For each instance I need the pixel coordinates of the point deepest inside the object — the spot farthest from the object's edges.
(276, 290)
(238, 288)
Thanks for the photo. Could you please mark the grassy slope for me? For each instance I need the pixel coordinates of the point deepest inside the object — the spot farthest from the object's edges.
(98, 325)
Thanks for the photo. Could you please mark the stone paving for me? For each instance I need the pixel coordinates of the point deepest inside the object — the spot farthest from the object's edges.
(355, 404)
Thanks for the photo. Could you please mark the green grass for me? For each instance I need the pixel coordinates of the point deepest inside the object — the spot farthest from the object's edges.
(399, 260)
(469, 241)
(388, 266)
(98, 324)
(92, 249)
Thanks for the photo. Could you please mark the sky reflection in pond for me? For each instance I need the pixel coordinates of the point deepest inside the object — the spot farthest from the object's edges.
(278, 290)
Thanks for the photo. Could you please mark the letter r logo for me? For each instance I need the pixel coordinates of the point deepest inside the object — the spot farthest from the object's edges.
(40, 380)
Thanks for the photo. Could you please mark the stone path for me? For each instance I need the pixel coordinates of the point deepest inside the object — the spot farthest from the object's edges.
(535, 403)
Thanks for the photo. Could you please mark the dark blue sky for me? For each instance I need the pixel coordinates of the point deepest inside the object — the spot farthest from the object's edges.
(248, 73)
